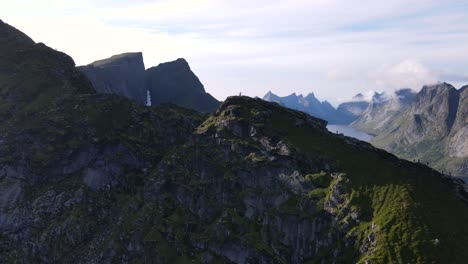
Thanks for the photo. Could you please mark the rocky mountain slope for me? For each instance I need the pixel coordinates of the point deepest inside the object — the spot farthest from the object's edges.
(431, 128)
(170, 82)
(311, 105)
(383, 109)
(97, 178)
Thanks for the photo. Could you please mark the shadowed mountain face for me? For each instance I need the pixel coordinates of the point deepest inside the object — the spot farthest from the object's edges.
(91, 177)
(174, 82)
(458, 144)
(431, 127)
(171, 82)
(122, 75)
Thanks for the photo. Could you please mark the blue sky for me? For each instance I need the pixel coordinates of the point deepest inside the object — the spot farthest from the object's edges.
(333, 48)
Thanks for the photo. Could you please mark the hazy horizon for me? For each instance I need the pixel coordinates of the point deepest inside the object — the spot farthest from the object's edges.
(335, 49)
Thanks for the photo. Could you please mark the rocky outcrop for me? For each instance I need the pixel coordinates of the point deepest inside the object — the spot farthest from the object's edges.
(122, 74)
(174, 82)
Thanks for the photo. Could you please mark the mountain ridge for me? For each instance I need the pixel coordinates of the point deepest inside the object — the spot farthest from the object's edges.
(431, 128)
(98, 178)
(170, 82)
(309, 104)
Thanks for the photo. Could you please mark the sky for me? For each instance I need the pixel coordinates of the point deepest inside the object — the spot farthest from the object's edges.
(334, 48)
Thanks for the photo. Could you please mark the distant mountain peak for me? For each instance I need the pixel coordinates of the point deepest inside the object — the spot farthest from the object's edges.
(270, 96)
(358, 97)
(310, 95)
(309, 104)
(438, 86)
(379, 97)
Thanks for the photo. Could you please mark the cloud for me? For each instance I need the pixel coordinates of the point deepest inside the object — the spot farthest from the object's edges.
(335, 48)
(453, 77)
(406, 74)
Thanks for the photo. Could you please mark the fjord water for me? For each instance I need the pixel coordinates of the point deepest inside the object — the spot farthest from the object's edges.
(350, 132)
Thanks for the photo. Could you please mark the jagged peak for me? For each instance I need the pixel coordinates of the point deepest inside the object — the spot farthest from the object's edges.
(293, 95)
(270, 96)
(404, 91)
(311, 95)
(358, 97)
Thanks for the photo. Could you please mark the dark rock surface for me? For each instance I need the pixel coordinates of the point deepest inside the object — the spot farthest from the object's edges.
(174, 82)
(122, 74)
(170, 82)
(97, 178)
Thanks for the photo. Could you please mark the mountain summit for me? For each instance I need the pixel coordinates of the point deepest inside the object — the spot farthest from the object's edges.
(122, 74)
(174, 82)
(170, 82)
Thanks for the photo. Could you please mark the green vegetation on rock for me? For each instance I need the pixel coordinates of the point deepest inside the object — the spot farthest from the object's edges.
(96, 178)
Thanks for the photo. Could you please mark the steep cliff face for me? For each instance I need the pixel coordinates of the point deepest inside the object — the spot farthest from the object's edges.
(433, 113)
(458, 145)
(383, 110)
(170, 82)
(174, 82)
(97, 178)
(122, 75)
(432, 128)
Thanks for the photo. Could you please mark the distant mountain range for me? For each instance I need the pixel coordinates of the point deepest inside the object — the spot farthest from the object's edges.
(170, 82)
(311, 105)
(430, 126)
